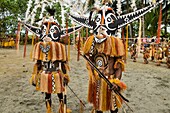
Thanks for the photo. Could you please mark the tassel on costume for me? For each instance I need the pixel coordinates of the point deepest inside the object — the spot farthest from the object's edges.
(61, 108)
(122, 86)
(122, 64)
(48, 107)
(119, 83)
(112, 46)
(118, 101)
(33, 76)
(53, 55)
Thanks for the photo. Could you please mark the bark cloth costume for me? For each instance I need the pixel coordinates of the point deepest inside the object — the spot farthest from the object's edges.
(50, 72)
(106, 52)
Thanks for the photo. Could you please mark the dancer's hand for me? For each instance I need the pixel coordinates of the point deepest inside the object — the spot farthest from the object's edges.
(115, 87)
(66, 79)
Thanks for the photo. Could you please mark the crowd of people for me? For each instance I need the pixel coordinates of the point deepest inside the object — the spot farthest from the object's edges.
(7, 42)
(155, 51)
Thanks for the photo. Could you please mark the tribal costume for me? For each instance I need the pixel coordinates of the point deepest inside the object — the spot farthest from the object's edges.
(167, 54)
(146, 55)
(158, 55)
(152, 51)
(133, 52)
(106, 52)
(50, 72)
(47, 74)
(107, 56)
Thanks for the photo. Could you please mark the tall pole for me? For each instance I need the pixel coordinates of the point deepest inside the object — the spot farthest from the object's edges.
(166, 18)
(143, 20)
(26, 38)
(159, 24)
(18, 35)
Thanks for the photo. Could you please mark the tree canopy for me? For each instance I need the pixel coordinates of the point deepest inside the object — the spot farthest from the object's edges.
(11, 10)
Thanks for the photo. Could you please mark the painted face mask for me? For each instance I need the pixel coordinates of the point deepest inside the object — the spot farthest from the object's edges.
(50, 30)
(105, 23)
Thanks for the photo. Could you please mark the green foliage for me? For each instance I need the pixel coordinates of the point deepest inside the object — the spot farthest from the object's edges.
(151, 22)
(58, 12)
(10, 10)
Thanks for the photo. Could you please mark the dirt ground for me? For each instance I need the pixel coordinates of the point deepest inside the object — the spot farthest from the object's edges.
(148, 85)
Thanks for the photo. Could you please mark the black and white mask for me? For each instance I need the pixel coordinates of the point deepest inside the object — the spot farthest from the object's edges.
(51, 31)
(106, 23)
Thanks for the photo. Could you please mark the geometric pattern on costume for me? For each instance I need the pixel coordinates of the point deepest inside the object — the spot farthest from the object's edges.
(50, 70)
(50, 82)
(106, 51)
(48, 85)
(99, 93)
(56, 51)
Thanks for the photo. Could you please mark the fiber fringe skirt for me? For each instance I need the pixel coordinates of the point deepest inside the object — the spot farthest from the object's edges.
(48, 82)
